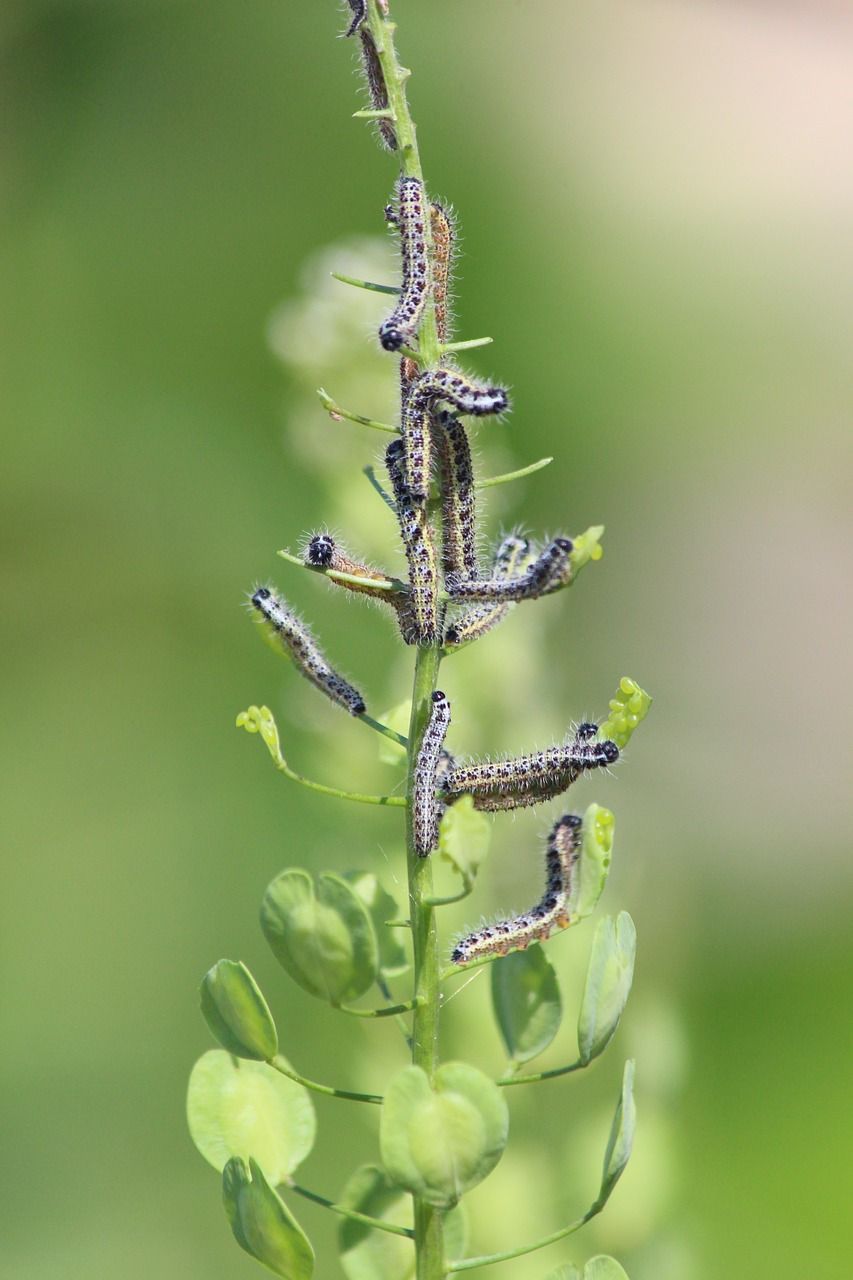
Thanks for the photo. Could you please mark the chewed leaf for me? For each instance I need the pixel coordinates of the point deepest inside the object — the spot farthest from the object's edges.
(628, 707)
(324, 939)
(439, 1141)
(526, 1001)
(243, 1108)
(367, 1254)
(262, 1224)
(621, 1140)
(393, 959)
(464, 837)
(608, 984)
(236, 1011)
(593, 866)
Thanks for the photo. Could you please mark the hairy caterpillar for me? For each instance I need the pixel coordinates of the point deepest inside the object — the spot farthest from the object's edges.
(359, 13)
(307, 657)
(401, 326)
(443, 247)
(419, 623)
(547, 571)
(511, 559)
(323, 552)
(425, 810)
(551, 911)
(456, 389)
(529, 779)
(376, 88)
(458, 516)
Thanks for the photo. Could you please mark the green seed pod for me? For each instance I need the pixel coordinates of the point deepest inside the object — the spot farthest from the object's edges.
(608, 984)
(439, 1141)
(262, 1224)
(621, 1139)
(324, 939)
(594, 865)
(526, 1001)
(236, 1011)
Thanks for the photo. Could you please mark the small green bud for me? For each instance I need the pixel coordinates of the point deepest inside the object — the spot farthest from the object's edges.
(261, 720)
(585, 547)
(236, 1011)
(628, 707)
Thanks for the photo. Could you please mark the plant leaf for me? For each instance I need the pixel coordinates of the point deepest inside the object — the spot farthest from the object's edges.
(621, 1138)
(237, 1107)
(603, 1267)
(440, 1141)
(381, 907)
(367, 1254)
(526, 1001)
(464, 837)
(608, 984)
(324, 939)
(236, 1011)
(262, 1224)
(593, 865)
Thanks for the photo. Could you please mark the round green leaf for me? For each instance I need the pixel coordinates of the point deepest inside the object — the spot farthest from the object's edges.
(567, 1272)
(593, 865)
(604, 1268)
(440, 1141)
(608, 984)
(621, 1138)
(325, 940)
(526, 1000)
(244, 1108)
(375, 1255)
(464, 837)
(382, 908)
(262, 1224)
(236, 1011)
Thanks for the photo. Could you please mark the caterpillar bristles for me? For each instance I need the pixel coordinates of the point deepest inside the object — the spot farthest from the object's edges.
(458, 513)
(443, 252)
(419, 623)
(465, 395)
(302, 648)
(551, 911)
(545, 574)
(511, 559)
(425, 808)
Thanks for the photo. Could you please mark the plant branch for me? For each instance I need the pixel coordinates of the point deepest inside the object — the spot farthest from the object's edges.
(387, 1011)
(278, 1064)
(365, 284)
(351, 1213)
(543, 1075)
(335, 411)
(488, 1259)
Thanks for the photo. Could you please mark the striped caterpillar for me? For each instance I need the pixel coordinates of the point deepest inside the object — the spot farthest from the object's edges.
(420, 624)
(550, 570)
(511, 559)
(530, 779)
(400, 327)
(430, 761)
(428, 389)
(443, 244)
(458, 515)
(323, 552)
(303, 649)
(359, 13)
(550, 912)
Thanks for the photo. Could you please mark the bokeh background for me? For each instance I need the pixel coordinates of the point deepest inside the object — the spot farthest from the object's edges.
(656, 203)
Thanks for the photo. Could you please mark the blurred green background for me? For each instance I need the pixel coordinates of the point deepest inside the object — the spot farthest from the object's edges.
(655, 202)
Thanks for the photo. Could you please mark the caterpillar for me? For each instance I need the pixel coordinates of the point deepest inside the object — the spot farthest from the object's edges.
(401, 326)
(419, 622)
(323, 552)
(359, 13)
(460, 391)
(511, 559)
(303, 649)
(376, 88)
(529, 779)
(550, 912)
(443, 249)
(549, 567)
(425, 810)
(458, 515)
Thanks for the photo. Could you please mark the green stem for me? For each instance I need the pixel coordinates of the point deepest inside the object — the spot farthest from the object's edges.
(370, 285)
(390, 802)
(487, 1259)
(491, 481)
(284, 1068)
(337, 412)
(351, 1213)
(468, 345)
(387, 1011)
(453, 897)
(543, 1075)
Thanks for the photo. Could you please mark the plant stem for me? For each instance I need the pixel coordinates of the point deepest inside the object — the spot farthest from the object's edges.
(377, 1223)
(279, 1064)
(542, 1075)
(429, 1222)
(488, 1259)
